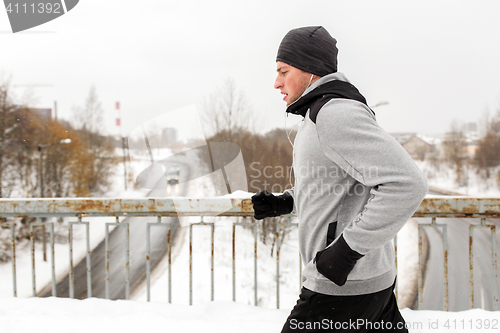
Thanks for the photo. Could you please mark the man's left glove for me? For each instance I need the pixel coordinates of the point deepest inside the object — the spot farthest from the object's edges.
(266, 204)
(337, 261)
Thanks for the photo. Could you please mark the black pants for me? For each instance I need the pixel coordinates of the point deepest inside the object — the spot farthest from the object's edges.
(314, 312)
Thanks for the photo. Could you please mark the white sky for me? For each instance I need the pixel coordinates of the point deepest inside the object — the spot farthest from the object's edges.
(431, 60)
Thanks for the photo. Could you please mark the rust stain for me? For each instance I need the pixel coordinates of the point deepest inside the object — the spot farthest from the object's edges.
(446, 297)
(107, 262)
(246, 205)
(427, 205)
(169, 248)
(152, 205)
(213, 231)
(278, 245)
(459, 207)
(471, 264)
(234, 242)
(446, 265)
(176, 206)
(255, 250)
(191, 203)
(396, 255)
(445, 207)
(23, 216)
(471, 208)
(92, 205)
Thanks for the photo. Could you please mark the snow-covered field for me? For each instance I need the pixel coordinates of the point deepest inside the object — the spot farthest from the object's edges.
(472, 184)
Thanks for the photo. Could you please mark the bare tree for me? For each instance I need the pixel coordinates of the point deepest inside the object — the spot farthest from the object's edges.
(89, 117)
(227, 109)
(10, 114)
(89, 124)
(454, 148)
(487, 155)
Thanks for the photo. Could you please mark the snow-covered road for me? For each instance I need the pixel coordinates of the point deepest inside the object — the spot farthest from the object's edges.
(117, 260)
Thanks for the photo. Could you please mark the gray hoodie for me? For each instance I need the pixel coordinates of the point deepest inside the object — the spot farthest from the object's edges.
(351, 178)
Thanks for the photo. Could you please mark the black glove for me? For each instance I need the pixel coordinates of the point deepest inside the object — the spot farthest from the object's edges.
(337, 261)
(266, 204)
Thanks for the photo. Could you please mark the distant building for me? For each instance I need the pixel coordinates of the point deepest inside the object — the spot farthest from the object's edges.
(169, 135)
(422, 147)
(469, 143)
(402, 137)
(418, 146)
(45, 114)
(472, 141)
(470, 127)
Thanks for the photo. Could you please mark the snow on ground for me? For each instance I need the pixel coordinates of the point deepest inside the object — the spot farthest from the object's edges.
(473, 184)
(58, 315)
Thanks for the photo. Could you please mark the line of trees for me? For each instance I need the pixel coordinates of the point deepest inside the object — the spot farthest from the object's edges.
(488, 153)
(41, 157)
(485, 160)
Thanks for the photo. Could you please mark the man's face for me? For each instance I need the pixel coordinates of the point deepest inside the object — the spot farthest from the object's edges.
(291, 81)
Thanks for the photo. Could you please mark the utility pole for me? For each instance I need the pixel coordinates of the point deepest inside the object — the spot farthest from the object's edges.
(40, 162)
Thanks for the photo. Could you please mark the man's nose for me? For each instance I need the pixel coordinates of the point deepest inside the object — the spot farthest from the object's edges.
(277, 83)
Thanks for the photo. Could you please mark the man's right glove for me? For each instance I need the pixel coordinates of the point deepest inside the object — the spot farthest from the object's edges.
(266, 204)
(337, 261)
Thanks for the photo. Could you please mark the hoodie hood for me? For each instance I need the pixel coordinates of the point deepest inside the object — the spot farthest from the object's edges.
(330, 86)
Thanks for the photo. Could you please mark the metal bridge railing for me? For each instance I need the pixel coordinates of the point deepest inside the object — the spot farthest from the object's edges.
(438, 207)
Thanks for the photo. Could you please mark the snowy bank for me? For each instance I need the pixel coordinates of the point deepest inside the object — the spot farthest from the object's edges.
(26, 315)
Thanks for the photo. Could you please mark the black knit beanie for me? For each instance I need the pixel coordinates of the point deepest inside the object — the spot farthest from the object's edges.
(310, 49)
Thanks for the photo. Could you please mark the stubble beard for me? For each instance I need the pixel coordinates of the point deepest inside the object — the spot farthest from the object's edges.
(304, 83)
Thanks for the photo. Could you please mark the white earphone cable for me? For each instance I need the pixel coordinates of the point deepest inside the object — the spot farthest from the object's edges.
(288, 133)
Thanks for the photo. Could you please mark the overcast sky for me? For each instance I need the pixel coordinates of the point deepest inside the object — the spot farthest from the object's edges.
(433, 61)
